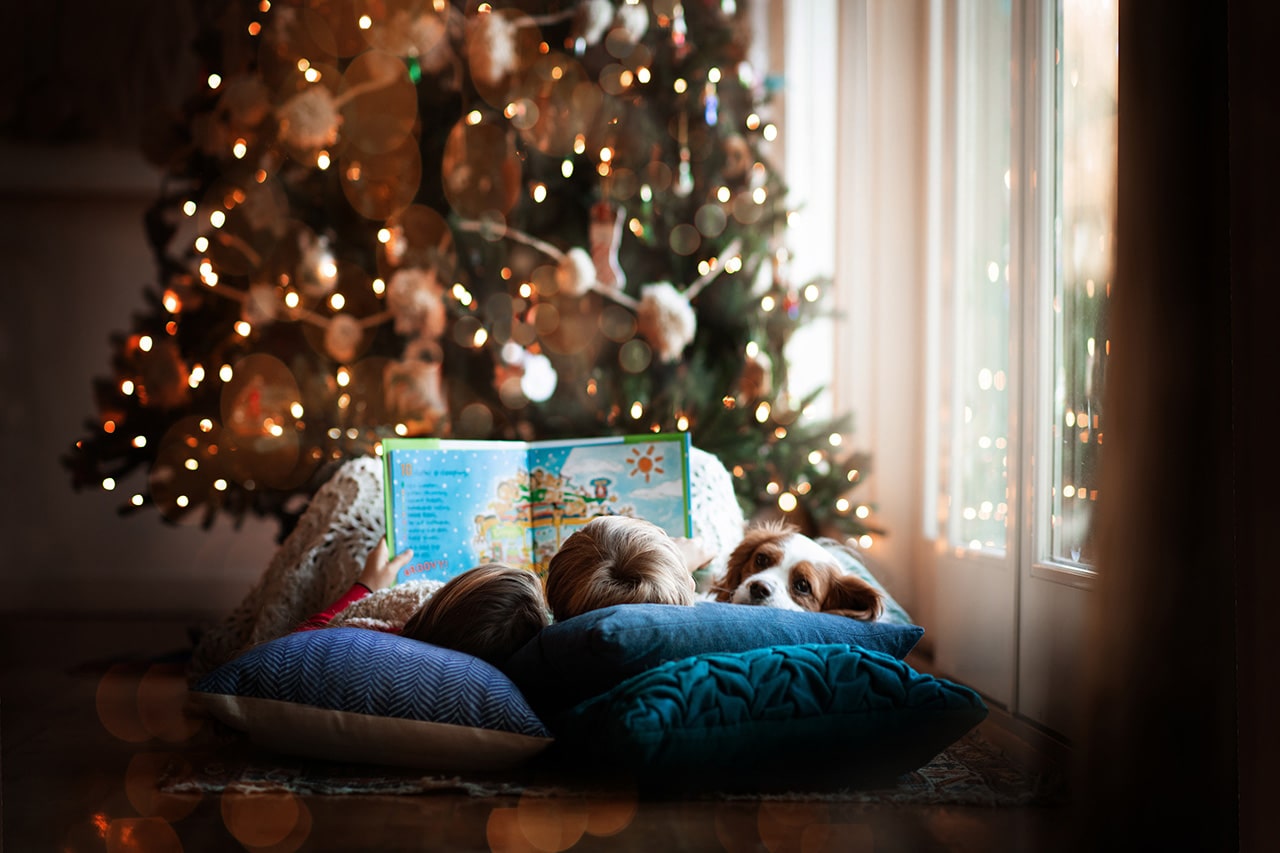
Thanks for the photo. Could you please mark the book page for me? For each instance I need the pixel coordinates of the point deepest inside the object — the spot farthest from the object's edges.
(571, 482)
(457, 504)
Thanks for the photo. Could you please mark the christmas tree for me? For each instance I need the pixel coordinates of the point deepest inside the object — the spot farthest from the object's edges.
(475, 220)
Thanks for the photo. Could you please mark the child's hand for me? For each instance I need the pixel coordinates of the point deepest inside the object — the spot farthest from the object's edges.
(695, 554)
(379, 572)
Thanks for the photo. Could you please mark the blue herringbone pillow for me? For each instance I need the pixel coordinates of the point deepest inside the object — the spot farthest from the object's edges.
(350, 694)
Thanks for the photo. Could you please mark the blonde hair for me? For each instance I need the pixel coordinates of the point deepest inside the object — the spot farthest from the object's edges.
(489, 611)
(614, 559)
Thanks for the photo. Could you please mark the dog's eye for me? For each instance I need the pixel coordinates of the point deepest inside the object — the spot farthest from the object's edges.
(801, 586)
(762, 561)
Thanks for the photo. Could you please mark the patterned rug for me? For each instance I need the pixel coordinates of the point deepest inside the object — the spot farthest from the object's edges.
(971, 772)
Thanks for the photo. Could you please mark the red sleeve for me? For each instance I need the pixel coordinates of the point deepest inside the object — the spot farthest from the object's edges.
(321, 619)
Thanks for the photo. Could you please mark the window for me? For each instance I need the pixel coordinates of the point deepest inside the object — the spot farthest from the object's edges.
(1024, 278)
(1085, 88)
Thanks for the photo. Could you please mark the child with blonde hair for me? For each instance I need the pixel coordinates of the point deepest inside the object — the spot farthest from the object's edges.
(615, 559)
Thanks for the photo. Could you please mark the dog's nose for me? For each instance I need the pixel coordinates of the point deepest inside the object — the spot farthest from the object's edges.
(759, 591)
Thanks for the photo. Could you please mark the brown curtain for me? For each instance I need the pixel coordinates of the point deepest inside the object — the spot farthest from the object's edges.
(1176, 747)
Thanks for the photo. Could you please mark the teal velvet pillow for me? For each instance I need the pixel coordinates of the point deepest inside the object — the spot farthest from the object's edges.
(573, 660)
(781, 718)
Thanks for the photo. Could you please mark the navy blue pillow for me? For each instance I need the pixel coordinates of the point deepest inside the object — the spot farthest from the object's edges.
(581, 657)
(351, 694)
(782, 718)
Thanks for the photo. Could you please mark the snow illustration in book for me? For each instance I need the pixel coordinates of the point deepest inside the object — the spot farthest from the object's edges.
(461, 503)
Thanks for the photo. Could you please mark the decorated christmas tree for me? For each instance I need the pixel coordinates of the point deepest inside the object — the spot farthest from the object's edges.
(472, 220)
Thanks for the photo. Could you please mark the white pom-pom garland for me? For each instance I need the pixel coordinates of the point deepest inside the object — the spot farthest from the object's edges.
(310, 119)
(666, 320)
(594, 18)
(416, 302)
(576, 273)
(492, 48)
(342, 337)
(633, 19)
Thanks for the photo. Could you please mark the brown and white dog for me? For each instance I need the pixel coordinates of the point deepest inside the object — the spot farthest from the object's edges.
(777, 566)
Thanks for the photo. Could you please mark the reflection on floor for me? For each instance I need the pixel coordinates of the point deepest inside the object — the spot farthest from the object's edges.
(91, 711)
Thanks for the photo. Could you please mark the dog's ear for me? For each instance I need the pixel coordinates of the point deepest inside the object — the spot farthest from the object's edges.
(853, 597)
(734, 566)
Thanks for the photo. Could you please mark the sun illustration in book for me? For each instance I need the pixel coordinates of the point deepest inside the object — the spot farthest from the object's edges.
(645, 463)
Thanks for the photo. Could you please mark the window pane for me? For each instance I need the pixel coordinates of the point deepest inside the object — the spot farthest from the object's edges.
(978, 487)
(1085, 200)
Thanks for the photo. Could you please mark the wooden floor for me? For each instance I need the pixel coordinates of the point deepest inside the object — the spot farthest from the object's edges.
(90, 711)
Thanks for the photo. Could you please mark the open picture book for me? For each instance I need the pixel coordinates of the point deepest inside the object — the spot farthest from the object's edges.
(460, 503)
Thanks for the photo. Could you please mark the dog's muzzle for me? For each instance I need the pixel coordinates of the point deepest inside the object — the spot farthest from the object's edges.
(758, 592)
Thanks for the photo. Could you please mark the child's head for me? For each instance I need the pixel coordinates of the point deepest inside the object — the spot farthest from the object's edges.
(614, 559)
(489, 612)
